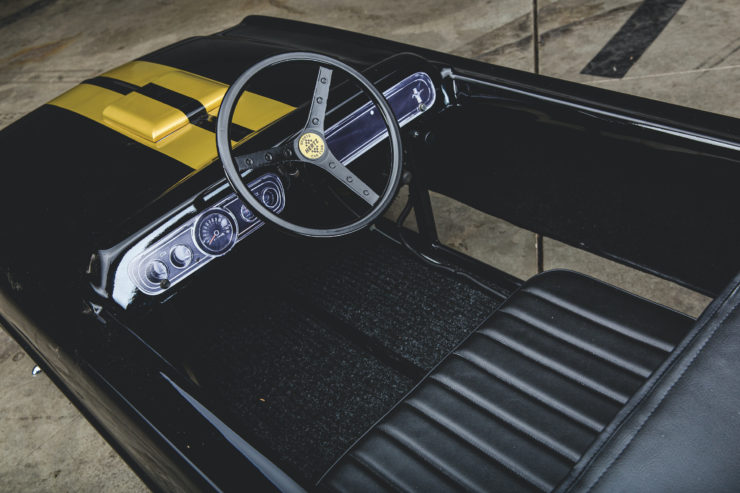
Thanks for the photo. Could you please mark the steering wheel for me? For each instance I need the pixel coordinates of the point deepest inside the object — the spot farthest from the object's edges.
(309, 146)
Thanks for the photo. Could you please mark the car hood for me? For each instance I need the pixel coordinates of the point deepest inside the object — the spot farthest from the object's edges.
(98, 155)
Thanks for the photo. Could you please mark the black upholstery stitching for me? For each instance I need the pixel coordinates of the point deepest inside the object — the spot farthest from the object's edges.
(330, 487)
(474, 446)
(662, 399)
(373, 471)
(560, 303)
(437, 467)
(583, 382)
(612, 286)
(584, 346)
(584, 421)
(507, 421)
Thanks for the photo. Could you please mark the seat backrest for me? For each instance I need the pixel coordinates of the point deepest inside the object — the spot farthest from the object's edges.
(683, 431)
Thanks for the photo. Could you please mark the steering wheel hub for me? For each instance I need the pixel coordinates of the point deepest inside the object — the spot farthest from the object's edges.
(311, 145)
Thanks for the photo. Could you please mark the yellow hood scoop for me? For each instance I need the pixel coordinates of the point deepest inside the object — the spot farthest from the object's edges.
(152, 119)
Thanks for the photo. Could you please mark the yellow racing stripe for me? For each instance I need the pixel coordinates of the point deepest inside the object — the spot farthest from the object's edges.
(160, 126)
(139, 73)
(208, 91)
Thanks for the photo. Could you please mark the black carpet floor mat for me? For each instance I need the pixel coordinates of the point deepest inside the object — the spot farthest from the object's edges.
(303, 392)
(380, 289)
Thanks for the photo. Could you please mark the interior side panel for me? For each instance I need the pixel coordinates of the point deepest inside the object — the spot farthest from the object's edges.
(646, 198)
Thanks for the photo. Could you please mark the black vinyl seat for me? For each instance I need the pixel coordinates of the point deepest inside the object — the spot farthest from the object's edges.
(517, 406)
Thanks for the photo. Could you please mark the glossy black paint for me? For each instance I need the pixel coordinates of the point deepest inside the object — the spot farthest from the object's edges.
(86, 189)
(641, 189)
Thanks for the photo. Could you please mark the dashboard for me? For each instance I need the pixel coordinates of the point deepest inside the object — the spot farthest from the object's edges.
(212, 233)
(199, 240)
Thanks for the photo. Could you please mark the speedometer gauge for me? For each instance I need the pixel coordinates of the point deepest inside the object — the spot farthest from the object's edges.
(215, 232)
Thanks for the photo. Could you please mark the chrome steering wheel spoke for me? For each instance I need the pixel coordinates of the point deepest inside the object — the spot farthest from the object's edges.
(265, 158)
(335, 168)
(319, 100)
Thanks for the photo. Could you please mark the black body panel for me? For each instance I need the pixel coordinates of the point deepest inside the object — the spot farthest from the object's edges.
(84, 188)
(640, 189)
(80, 180)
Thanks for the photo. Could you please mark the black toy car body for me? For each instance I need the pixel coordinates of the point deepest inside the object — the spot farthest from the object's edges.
(215, 353)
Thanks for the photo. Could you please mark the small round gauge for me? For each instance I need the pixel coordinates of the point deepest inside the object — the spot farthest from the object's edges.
(247, 215)
(156, 272)
(181, 256)
(215, 232)
(270, 197)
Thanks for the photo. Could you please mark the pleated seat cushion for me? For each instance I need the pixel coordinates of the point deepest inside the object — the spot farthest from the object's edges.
(515, 406)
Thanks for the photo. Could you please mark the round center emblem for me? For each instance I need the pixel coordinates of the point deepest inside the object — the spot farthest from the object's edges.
(311, 145)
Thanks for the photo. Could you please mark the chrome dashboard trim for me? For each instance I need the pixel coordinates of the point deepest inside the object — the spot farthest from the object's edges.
(409, 99)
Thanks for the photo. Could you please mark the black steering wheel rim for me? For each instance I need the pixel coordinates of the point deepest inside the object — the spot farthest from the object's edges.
(234, 177)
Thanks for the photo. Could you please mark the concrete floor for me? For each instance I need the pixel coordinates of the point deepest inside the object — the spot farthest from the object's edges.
(49, 46)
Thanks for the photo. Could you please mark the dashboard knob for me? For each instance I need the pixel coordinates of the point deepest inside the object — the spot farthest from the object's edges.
(156, 272)
(181, 256)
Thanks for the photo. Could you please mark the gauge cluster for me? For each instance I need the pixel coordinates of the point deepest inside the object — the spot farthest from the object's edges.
(212, 233)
